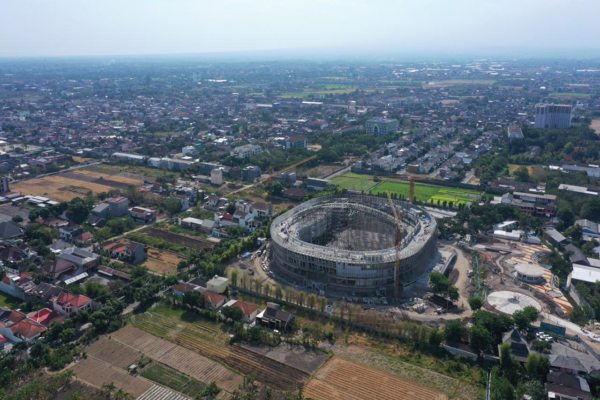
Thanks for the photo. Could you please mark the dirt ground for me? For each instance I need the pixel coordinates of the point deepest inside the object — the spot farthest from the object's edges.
(162, 261)
(96, 373)
(595, 125)
(295, 356)
(77, 183)
(344, 380)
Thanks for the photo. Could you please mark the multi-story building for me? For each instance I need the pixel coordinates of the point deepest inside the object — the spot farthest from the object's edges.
(554, 116)
(543, 205)
(381, 126)
(4, 186)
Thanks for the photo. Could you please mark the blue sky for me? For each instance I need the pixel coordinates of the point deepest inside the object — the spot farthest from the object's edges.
(114, 27)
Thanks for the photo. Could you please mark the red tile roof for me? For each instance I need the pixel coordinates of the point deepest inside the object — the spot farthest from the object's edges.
(75, 300)
(27, 329)
(212, 297)
(247, 308)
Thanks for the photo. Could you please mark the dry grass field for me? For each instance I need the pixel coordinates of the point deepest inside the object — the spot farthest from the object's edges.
(78, 183)
(344, 380)
(162, 261)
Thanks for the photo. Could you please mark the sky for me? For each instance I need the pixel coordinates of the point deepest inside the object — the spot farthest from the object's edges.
(155, 27)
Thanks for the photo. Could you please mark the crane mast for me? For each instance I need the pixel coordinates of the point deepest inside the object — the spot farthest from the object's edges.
(397, 245)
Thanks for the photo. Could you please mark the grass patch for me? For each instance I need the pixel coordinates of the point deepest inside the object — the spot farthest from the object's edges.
(571, 95)
(424, 192)
(171, 378)
(7, 301)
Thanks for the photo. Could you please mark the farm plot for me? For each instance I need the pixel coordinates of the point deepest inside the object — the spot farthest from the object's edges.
(194, 243)
(344, 380)
(96, 373)
(162, 261)
(177, 357)
(203, 340)
(113, 352)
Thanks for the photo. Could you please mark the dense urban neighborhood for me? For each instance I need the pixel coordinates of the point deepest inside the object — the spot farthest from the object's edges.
(183, 229)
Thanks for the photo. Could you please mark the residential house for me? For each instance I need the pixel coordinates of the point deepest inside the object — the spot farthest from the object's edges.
(69, 303)
(518, 345)
(181, 288)
(274, 317)
(246, 151)
(82, 258)
(218, 284)
(590, 229)
(67, 233)
(9, 230)
(249, 310)
(295, 142)
(143, 215)
(54, 269)
(129, 252)
(213, 300)
(201, 225)
(16, 327)
(45, 317)
(17, 285)
(113, 273)
(563, 386)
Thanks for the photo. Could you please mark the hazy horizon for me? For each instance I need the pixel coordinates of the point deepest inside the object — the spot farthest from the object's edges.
(295, 28)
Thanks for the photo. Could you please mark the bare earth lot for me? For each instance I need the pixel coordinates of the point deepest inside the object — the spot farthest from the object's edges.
(71, 184)
(294, 356)
(162, 261)
(595, 125)
(344, 380)
(96, 373)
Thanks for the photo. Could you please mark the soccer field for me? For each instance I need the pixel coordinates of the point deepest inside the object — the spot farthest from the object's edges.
(424, 192)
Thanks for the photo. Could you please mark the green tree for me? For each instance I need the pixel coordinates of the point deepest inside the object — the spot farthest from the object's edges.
(77, 211)
(454, 330)
(479, 338)
(475, 302)
(537, 366)
(522, 174)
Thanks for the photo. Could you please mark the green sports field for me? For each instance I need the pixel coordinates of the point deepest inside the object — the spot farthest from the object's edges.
(424, 192)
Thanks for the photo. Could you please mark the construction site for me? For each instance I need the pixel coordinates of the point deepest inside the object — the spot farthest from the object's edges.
(353, 245)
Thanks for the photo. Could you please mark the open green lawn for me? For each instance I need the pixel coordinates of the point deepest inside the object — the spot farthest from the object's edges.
(329, 88)
(172, 378)
(571, 95)
(8, 301)
(424, 192)
(352, 181)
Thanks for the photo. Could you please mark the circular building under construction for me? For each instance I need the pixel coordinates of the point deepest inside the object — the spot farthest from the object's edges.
(353, 245)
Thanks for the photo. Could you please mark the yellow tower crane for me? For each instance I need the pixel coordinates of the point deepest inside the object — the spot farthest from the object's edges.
(397, 244)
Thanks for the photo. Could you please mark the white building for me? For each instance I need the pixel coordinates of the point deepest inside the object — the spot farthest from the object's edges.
(216, 176)
(554, 116)
(247, 150)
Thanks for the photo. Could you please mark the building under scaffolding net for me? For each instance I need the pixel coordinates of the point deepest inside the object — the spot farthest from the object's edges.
(345, 245)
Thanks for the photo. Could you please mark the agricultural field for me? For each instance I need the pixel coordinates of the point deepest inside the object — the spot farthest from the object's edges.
(424, 192)
(454, 379)
(211, 342)
(570, 95)
(344, 380)
(78, 183)
(195, 243)
(96, 373)
(162, 261)
(172, 378)
(186, 361)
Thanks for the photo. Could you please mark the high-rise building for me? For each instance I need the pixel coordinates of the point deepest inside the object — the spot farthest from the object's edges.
(4, 186)
(554, 116)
